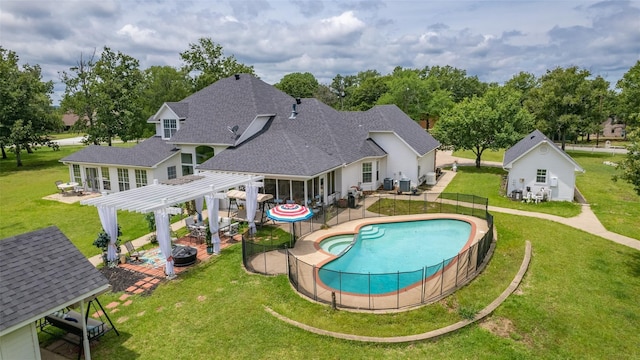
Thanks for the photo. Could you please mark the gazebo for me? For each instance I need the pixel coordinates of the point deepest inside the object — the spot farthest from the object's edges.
(160, 196)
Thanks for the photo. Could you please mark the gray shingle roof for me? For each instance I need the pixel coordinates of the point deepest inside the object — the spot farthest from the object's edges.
(318, 139)
(148, 153)
(524, 145)
(40, 271)
(227, 103)
(527, 144)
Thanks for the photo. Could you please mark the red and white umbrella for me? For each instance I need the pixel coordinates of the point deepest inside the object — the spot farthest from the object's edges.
(290, 213)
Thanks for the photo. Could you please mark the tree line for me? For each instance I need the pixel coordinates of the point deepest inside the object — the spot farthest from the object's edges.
(113, 97)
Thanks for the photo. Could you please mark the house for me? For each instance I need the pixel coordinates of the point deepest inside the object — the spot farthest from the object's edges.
(538, 166)
(42, 272)
(304, 148)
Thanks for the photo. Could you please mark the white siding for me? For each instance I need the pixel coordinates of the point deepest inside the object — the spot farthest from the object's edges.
(556, 165)
(20, 344)
(401, 160)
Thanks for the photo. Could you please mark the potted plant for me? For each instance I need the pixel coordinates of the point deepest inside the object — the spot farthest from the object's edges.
(208, 241)
(102, 242)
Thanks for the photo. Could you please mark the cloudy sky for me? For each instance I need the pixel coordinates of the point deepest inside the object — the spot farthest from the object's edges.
(491, 39)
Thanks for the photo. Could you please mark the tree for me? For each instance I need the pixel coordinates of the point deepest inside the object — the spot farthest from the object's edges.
(26, 116)
(629, 106)
(206, 62)
(161, 84)
(494, 121)
(299, 85)
(118, 92)
(455, 81)
(80, 94)
(560, 101)
(418, 98)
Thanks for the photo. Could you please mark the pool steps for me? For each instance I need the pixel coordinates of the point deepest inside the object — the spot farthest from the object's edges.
(371, 232)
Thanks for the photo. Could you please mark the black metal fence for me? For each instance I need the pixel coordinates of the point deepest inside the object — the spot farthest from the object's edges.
(377, 291)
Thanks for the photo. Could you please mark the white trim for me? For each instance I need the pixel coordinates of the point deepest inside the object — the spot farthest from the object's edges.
(158, 196)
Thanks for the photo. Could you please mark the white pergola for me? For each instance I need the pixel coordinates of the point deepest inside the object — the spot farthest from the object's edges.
(158, 197)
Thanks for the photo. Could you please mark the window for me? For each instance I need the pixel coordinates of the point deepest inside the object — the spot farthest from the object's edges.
(366, 172)
(171, 172)
(541, 176)
(187, 164)
(141, 178)
(378, 170)
(170, 127)
(123, 179)
(331, 182)
(106, 181)
(76, 174)
(203, 153)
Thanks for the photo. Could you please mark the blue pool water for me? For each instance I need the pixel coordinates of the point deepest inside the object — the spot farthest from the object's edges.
(388, 257)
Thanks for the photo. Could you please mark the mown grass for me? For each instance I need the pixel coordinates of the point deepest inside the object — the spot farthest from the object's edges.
(578, 300)
(487, 155)
(572, 304)
(616, 204)
(24, 209)
(485, 182)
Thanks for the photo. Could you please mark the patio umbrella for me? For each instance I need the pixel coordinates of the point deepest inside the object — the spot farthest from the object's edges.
(290, 213)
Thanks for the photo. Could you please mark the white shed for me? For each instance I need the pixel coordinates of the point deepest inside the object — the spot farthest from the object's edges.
(538, 166)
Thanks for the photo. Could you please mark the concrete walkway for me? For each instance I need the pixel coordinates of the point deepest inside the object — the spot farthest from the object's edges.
(586, 220)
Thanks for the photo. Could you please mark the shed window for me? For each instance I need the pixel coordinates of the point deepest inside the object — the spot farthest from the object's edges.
(541, 176)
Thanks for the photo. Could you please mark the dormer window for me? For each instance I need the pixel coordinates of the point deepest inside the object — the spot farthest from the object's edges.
(170, 126)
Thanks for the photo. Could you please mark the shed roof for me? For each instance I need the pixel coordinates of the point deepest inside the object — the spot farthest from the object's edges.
(529, 143)
(42, 271)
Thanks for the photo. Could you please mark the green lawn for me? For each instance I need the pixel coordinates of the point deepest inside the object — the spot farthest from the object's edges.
(487, 155)
(23, 208)
(485, 182)
(578, 300)
(615, 203)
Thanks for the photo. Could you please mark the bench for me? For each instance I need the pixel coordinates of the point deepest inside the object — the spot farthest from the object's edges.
(70, 321)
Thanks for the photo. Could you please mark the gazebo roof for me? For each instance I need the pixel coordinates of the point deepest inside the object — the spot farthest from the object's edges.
(158, 195)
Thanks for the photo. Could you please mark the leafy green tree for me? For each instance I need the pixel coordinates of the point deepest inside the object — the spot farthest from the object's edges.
(494, 121)
(418, 98)
(455, 81)
(26, 117)
(118, 92)
(299, 85)
(523, 82)
(80, 96)
(325, 94)
(162, 84)
(559, 102)
(629, 106)
(206, 62)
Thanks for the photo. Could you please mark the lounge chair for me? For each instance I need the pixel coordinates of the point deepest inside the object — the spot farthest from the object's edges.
(133, 253)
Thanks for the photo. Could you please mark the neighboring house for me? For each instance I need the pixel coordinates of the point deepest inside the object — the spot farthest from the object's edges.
(304, 148)
(613, 129)
(537, 165)
(42, 272)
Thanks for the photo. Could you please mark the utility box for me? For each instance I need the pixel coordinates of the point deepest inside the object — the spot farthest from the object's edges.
(554, 181)
(405, 185)
(388, 184)
(431, 178)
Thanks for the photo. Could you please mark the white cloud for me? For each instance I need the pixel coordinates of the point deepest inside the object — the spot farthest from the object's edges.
(491, 39)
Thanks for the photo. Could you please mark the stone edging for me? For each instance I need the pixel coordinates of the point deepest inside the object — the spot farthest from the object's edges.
(430, 334)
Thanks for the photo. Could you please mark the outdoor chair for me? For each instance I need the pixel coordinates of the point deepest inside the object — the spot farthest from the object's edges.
(133, 253)
(58, 183)
(195, 232)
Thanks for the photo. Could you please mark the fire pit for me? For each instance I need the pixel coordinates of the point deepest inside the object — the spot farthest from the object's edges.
(184, 255)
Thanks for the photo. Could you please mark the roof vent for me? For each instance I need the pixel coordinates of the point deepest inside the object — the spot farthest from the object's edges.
(293, 112)
(237, 76)
(233, 130)
(298, 101)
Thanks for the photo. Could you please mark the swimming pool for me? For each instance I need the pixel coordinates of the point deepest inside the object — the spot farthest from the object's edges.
(389, 257)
